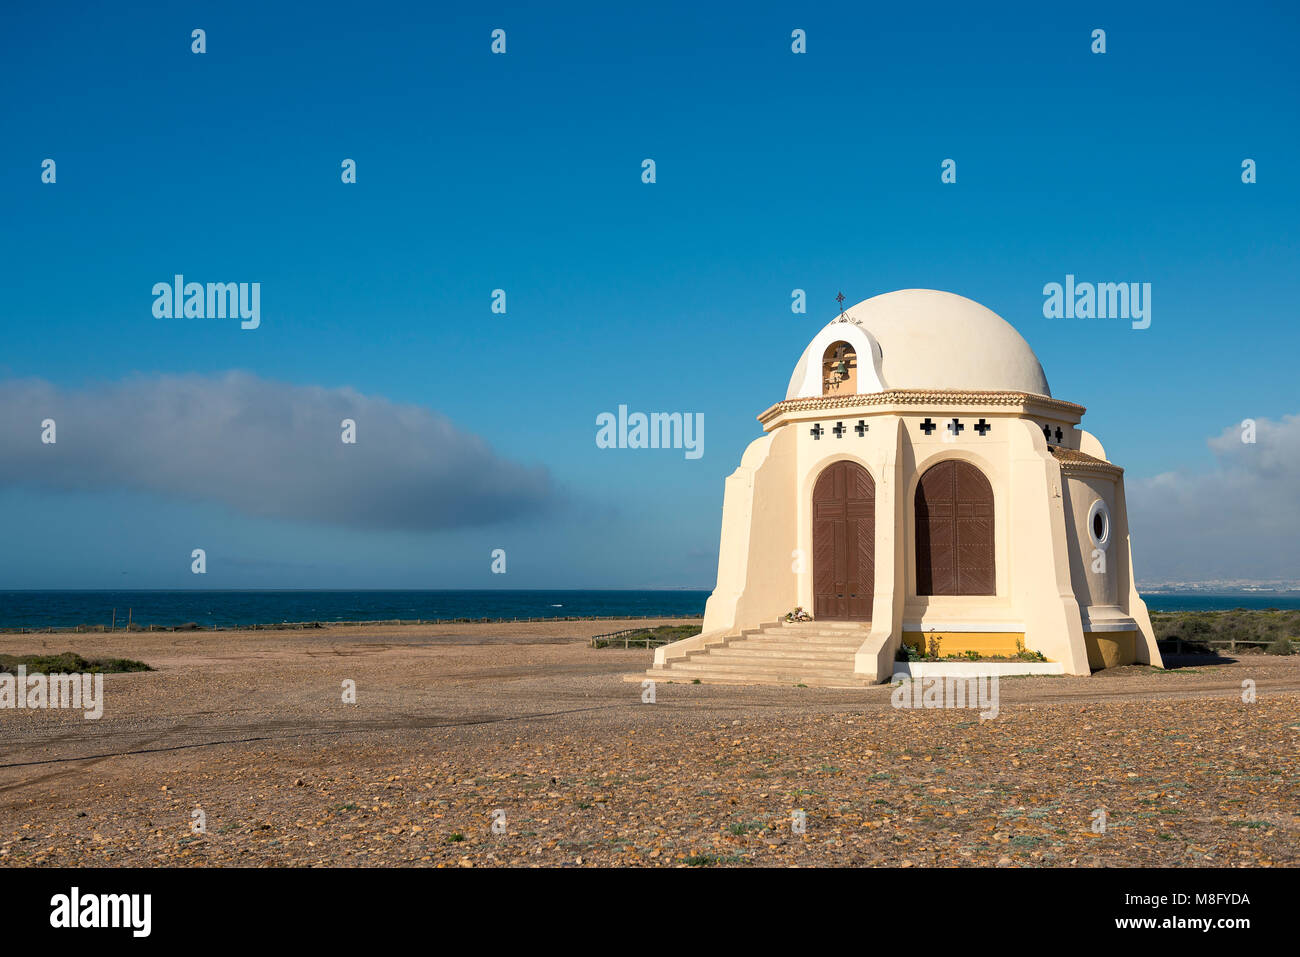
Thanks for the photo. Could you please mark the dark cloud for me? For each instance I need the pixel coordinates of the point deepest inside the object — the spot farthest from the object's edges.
(265, 448)
(1240, 519)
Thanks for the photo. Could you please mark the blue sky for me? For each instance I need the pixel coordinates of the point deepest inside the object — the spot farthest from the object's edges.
(775, 171)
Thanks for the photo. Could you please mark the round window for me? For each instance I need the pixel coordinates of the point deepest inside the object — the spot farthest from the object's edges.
(1099, 523)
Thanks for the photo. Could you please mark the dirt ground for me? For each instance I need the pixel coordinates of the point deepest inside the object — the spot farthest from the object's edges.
(456, 728)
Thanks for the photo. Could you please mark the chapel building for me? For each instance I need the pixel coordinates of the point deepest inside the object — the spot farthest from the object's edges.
(918, 483)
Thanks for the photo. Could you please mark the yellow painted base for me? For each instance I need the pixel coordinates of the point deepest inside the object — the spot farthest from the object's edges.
(1004, 643)
(1107, 649)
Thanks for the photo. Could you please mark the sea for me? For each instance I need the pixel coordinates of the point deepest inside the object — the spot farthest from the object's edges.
(1252, 601)
(226, 609)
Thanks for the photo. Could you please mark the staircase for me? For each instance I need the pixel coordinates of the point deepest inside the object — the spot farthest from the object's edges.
(812, 653)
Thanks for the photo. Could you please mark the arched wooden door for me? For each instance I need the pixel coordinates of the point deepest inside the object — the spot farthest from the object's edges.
(844, 542)
(954, 531)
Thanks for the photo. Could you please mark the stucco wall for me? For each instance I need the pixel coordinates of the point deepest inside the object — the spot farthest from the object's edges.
(756, 580)
(1095, 576)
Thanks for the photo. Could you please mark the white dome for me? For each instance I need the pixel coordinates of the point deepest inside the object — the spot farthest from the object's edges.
(925, 339)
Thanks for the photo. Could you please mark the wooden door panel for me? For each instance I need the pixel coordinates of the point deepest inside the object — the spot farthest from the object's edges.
(954, 531)
(843, 542)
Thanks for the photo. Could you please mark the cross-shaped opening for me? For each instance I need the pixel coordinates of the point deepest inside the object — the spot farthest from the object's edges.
(839, 430)
(816, 431)
(861, 428)
(982, 427)
(927, 426)
(955, 427)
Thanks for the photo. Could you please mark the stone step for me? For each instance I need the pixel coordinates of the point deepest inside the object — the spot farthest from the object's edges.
(732, 667)
(816, 625)
(693, 668)
(778, 641)
(801, 654)
(746, 650)
(832, 648)
(783, 680)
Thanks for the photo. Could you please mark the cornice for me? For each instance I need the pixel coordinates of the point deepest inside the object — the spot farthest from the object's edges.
(1072, 460)
(1023, 401)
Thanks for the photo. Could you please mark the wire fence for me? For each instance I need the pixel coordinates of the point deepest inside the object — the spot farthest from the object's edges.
(604, 641)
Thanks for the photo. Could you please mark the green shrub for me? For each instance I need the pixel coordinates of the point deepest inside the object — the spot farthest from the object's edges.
(907, 653)
(69, 663)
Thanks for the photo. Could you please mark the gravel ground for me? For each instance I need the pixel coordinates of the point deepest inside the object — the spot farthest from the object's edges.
(457, 726)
